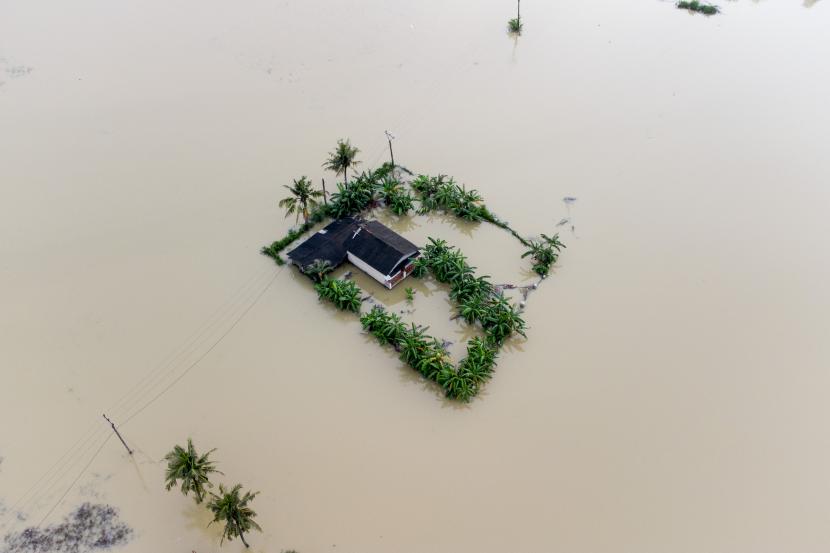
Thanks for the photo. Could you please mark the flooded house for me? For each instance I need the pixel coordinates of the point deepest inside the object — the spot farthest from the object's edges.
(372, 247)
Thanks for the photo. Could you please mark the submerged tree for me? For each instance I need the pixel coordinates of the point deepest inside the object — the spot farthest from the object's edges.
(342, 158)
(231, 509)
(187, 467)
(515, 25)
(318, 268)
(544, 253)
(303, 197)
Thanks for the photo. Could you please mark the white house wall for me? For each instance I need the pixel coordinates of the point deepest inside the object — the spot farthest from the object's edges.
(363, 266)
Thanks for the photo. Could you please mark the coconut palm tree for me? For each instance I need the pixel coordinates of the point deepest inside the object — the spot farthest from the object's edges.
(187, 467)
(342, 158)
(302, 197)
(318, 269)
(231, 509)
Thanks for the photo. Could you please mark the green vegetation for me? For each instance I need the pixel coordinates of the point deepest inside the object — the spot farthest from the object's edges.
(303, 196)
(477, 301)
(427, 355)
(387, 327)
(232, 509)
(695, 6)
(317, 269)
(515, 25)
(544, 253)
(480, 360)
(191, 470)
(476, 298)
(342, 158)
(395, 196)
(441, 193)
(352, 198)
(317, 215)
(187, 467)
(344, 294)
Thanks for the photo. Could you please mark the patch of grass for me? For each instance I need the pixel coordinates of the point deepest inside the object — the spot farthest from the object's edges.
(515, 25)
(695, 6)
(410, 295)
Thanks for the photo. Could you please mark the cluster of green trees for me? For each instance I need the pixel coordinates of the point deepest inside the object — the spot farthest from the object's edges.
(191, 471)
(344, 294)
(442, 193)
(370, 188)
(304, 198)
(475, 296)
(478, 302)
(396, 197)
(544, 253)
(427, 355)
(695, 6)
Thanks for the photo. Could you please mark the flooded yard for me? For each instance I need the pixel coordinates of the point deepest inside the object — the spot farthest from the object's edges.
(671, 396)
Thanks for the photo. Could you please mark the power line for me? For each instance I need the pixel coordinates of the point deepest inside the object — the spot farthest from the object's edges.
(57, 471)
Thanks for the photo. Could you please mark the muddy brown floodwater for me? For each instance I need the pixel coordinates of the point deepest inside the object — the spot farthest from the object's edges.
(672, 395)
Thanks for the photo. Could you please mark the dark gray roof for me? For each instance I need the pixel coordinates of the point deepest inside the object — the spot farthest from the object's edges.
(375, 244)
(381, 248)
(327, 244)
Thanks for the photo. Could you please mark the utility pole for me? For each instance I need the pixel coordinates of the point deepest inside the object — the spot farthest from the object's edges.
(114, 429)
(390, 137)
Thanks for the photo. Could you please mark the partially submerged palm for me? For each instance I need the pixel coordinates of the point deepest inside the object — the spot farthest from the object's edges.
(191, 470)
(342, 158)
(233, 510)
(318, 269)
(302, 197)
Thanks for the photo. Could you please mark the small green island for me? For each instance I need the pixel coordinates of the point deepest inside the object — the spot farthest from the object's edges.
(349, 235)
(699, 7)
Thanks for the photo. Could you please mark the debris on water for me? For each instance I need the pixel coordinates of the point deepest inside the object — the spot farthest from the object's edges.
(18, 71)
(367, 298)
(564, 221)
(90, 527)
(446, 344)
(347, 276)
(569, 200)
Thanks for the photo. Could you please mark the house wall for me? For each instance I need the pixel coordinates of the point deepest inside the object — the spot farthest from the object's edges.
(360, 264)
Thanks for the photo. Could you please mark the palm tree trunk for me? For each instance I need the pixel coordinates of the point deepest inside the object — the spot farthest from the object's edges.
(325, 201)
(241, 535)
(346, 174)
(519, 10)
